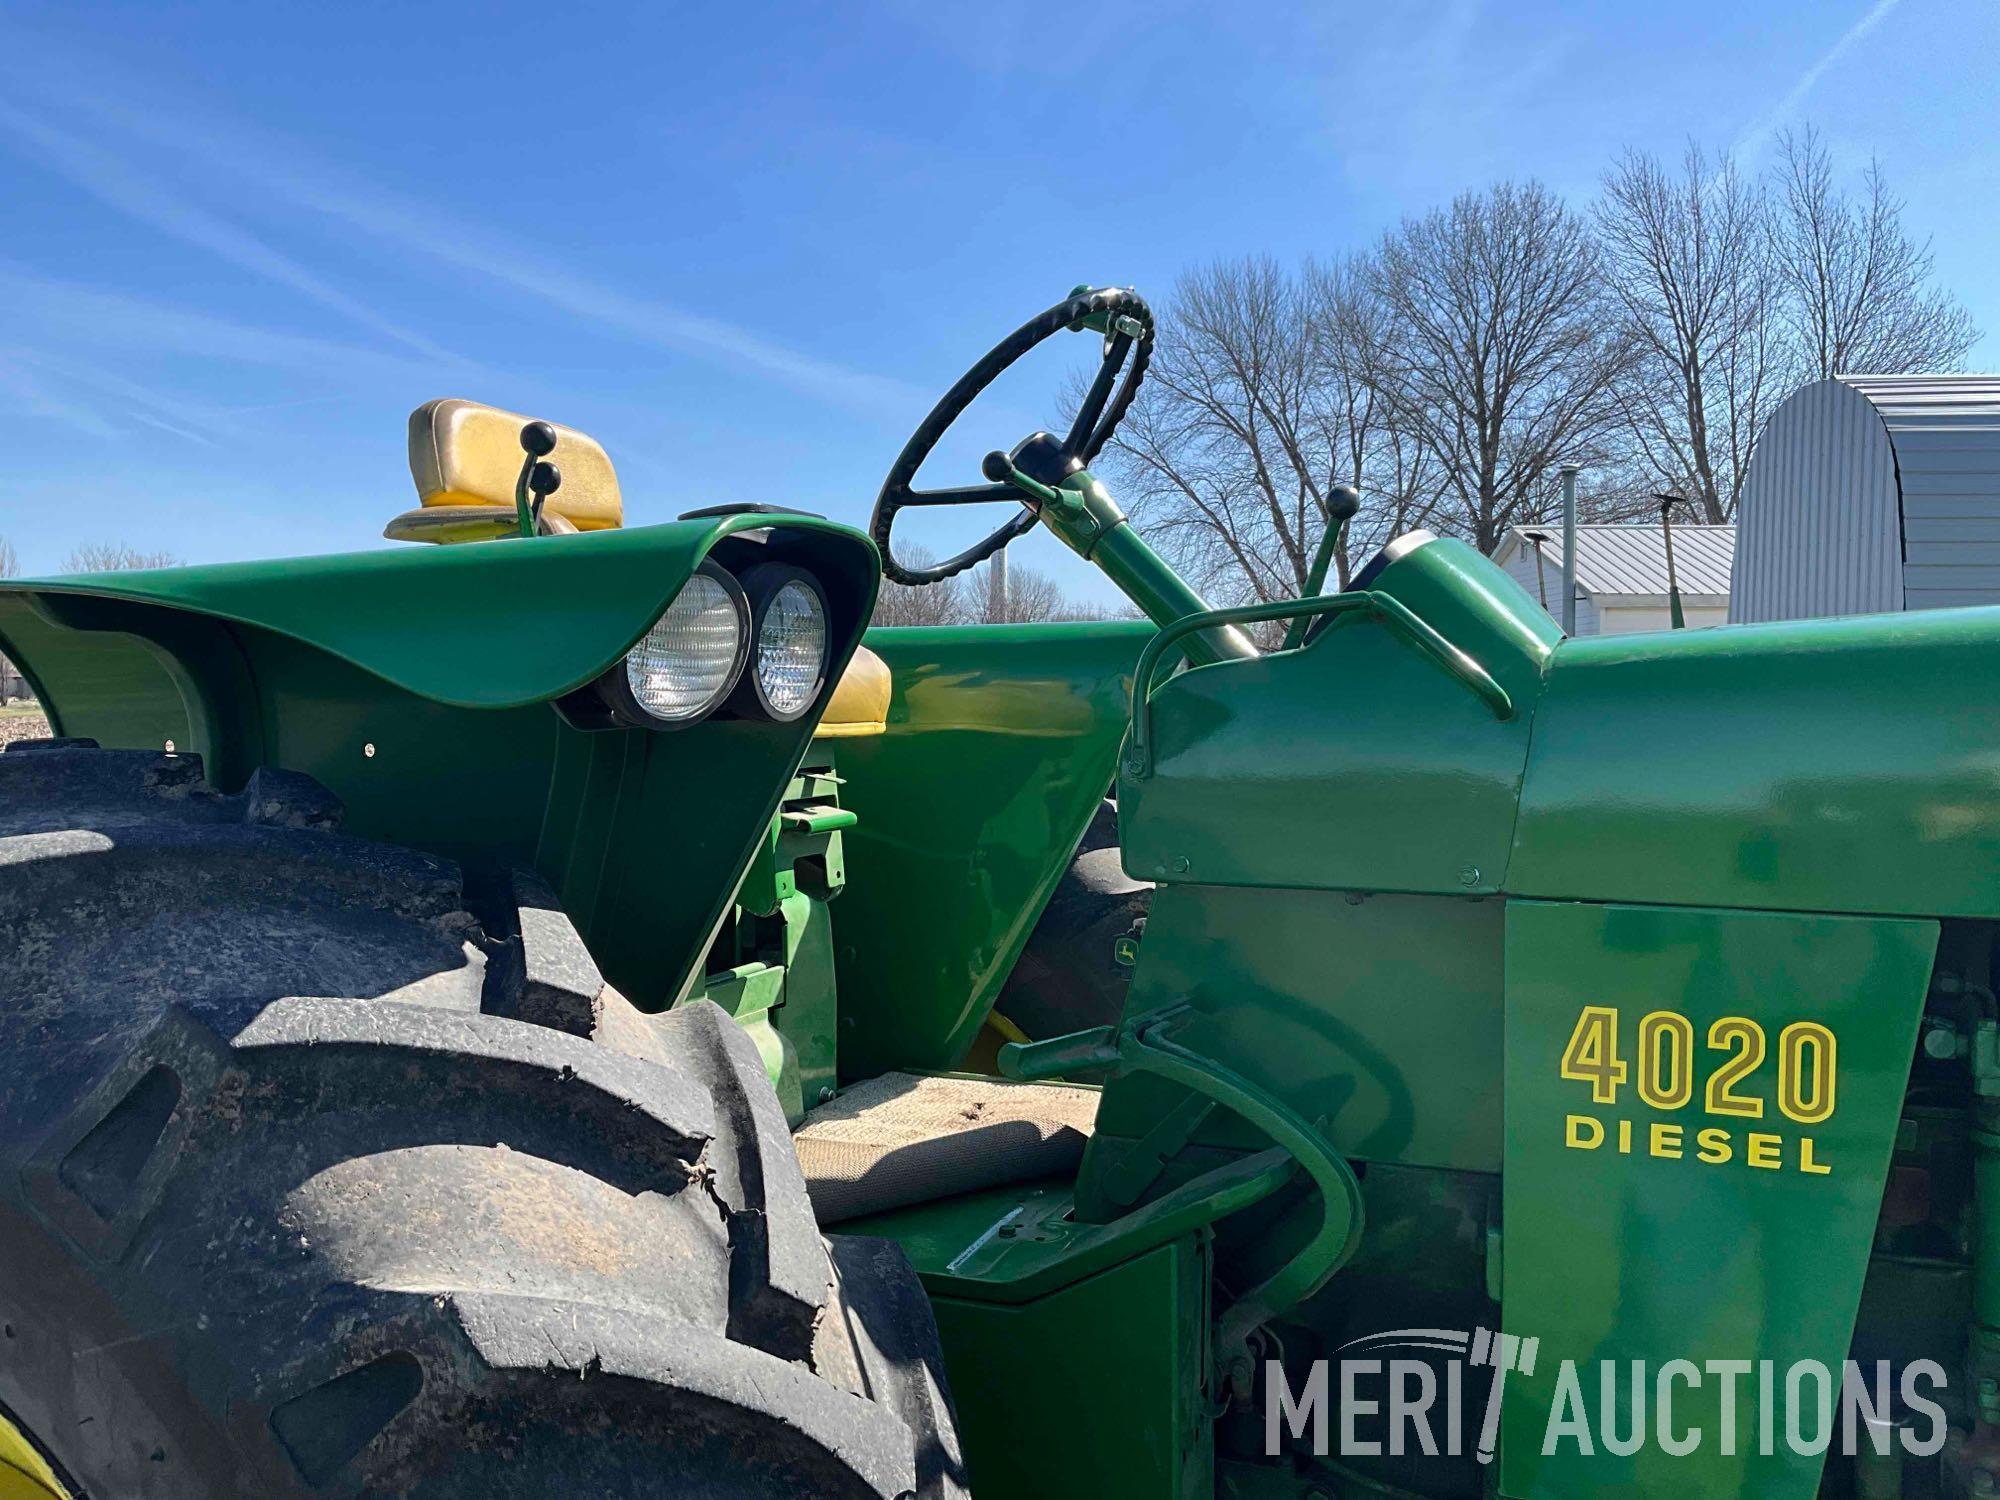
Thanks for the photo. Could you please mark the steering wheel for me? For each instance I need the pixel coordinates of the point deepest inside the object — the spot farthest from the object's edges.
(1127, 324)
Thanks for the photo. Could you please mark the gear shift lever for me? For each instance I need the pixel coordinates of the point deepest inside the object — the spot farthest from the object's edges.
(538, 440)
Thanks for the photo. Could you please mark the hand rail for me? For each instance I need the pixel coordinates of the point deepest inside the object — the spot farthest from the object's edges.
(1141, 1045)
(1392, 612)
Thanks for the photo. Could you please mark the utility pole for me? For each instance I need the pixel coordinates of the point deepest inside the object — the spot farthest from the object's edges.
(996, 589)
(1569, 473)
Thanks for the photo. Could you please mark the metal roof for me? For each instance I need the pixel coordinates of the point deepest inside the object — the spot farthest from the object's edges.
(1631, 559)
(1873, 492)
(1971, 401)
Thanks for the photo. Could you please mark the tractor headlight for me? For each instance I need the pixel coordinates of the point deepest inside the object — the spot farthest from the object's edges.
(788, 634)
(690, 659)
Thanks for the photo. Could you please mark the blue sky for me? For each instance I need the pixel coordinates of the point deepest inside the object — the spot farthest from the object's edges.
(746, 246)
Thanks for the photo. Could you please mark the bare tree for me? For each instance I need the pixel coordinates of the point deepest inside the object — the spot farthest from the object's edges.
(1031, 596)
(114, 557)
(1395, 473)
(966, 599)
(1450, 373)
(1689, 262)
(1259, 400)
(1501, 360)
(937, 604)
(1859, 297)
(10, 562)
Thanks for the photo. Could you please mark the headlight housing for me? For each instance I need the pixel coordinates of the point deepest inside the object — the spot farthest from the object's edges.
(679, 671)
(789, 636)
(691, 658)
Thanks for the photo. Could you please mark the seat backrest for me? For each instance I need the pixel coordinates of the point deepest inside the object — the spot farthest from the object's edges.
(859, 706)
(464, 453)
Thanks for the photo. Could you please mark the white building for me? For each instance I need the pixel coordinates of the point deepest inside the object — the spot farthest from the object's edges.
(1621, 573)
(1870, 493)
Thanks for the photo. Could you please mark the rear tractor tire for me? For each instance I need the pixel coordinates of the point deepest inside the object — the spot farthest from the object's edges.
(324, 1172)
(1070, 976)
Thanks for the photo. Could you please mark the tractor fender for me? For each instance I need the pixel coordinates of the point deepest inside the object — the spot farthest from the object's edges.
(498, 625)
(416, 684)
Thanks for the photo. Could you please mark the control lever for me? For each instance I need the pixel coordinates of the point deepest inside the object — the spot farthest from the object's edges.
(1000, 469)
(1343, 503)
(538, 441)
(544, 479)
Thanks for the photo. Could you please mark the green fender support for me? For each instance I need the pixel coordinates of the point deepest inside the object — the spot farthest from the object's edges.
(1144, 1045)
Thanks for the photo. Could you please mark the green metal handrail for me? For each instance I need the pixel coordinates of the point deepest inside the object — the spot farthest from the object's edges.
(1392, 612)
(1142, 1045)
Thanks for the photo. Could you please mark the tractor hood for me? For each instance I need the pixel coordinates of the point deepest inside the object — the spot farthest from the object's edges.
(417, 685)
(1844, 765)
(1848, 765)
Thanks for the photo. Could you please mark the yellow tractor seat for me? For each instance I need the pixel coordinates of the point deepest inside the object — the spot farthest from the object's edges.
(860, 702)
(903, 1138)
(466, 459)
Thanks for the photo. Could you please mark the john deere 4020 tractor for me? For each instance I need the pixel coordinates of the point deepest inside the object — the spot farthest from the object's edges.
(525, 1018)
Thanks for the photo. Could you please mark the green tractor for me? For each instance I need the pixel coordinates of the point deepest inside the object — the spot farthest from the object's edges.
(563, 1017)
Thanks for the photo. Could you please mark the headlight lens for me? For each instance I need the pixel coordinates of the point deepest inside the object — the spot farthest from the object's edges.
(791, 648)
(690, 659)
(788, 643)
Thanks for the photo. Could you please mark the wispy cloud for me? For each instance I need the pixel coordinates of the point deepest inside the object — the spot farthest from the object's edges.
(403, 223)
(98, 401)
(47, 312)
(1430, 99)
(22, 391)
(104, 394)
(115, 182)
(80, 355)
(1760, 130)
(111, 121)
(168, 427)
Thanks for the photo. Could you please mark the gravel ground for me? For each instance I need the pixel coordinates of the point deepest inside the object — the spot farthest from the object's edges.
(20, 726)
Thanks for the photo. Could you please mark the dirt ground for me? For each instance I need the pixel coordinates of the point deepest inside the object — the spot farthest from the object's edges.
(22, 723)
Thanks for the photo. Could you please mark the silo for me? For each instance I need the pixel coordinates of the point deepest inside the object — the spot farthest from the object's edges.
(1868, 493)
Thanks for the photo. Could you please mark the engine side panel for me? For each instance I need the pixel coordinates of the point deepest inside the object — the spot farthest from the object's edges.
(1377, 1015)
(1730, 1218)
(1356, 762)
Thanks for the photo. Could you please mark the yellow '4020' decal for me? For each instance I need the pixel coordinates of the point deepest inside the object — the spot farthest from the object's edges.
(1807, 1063)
